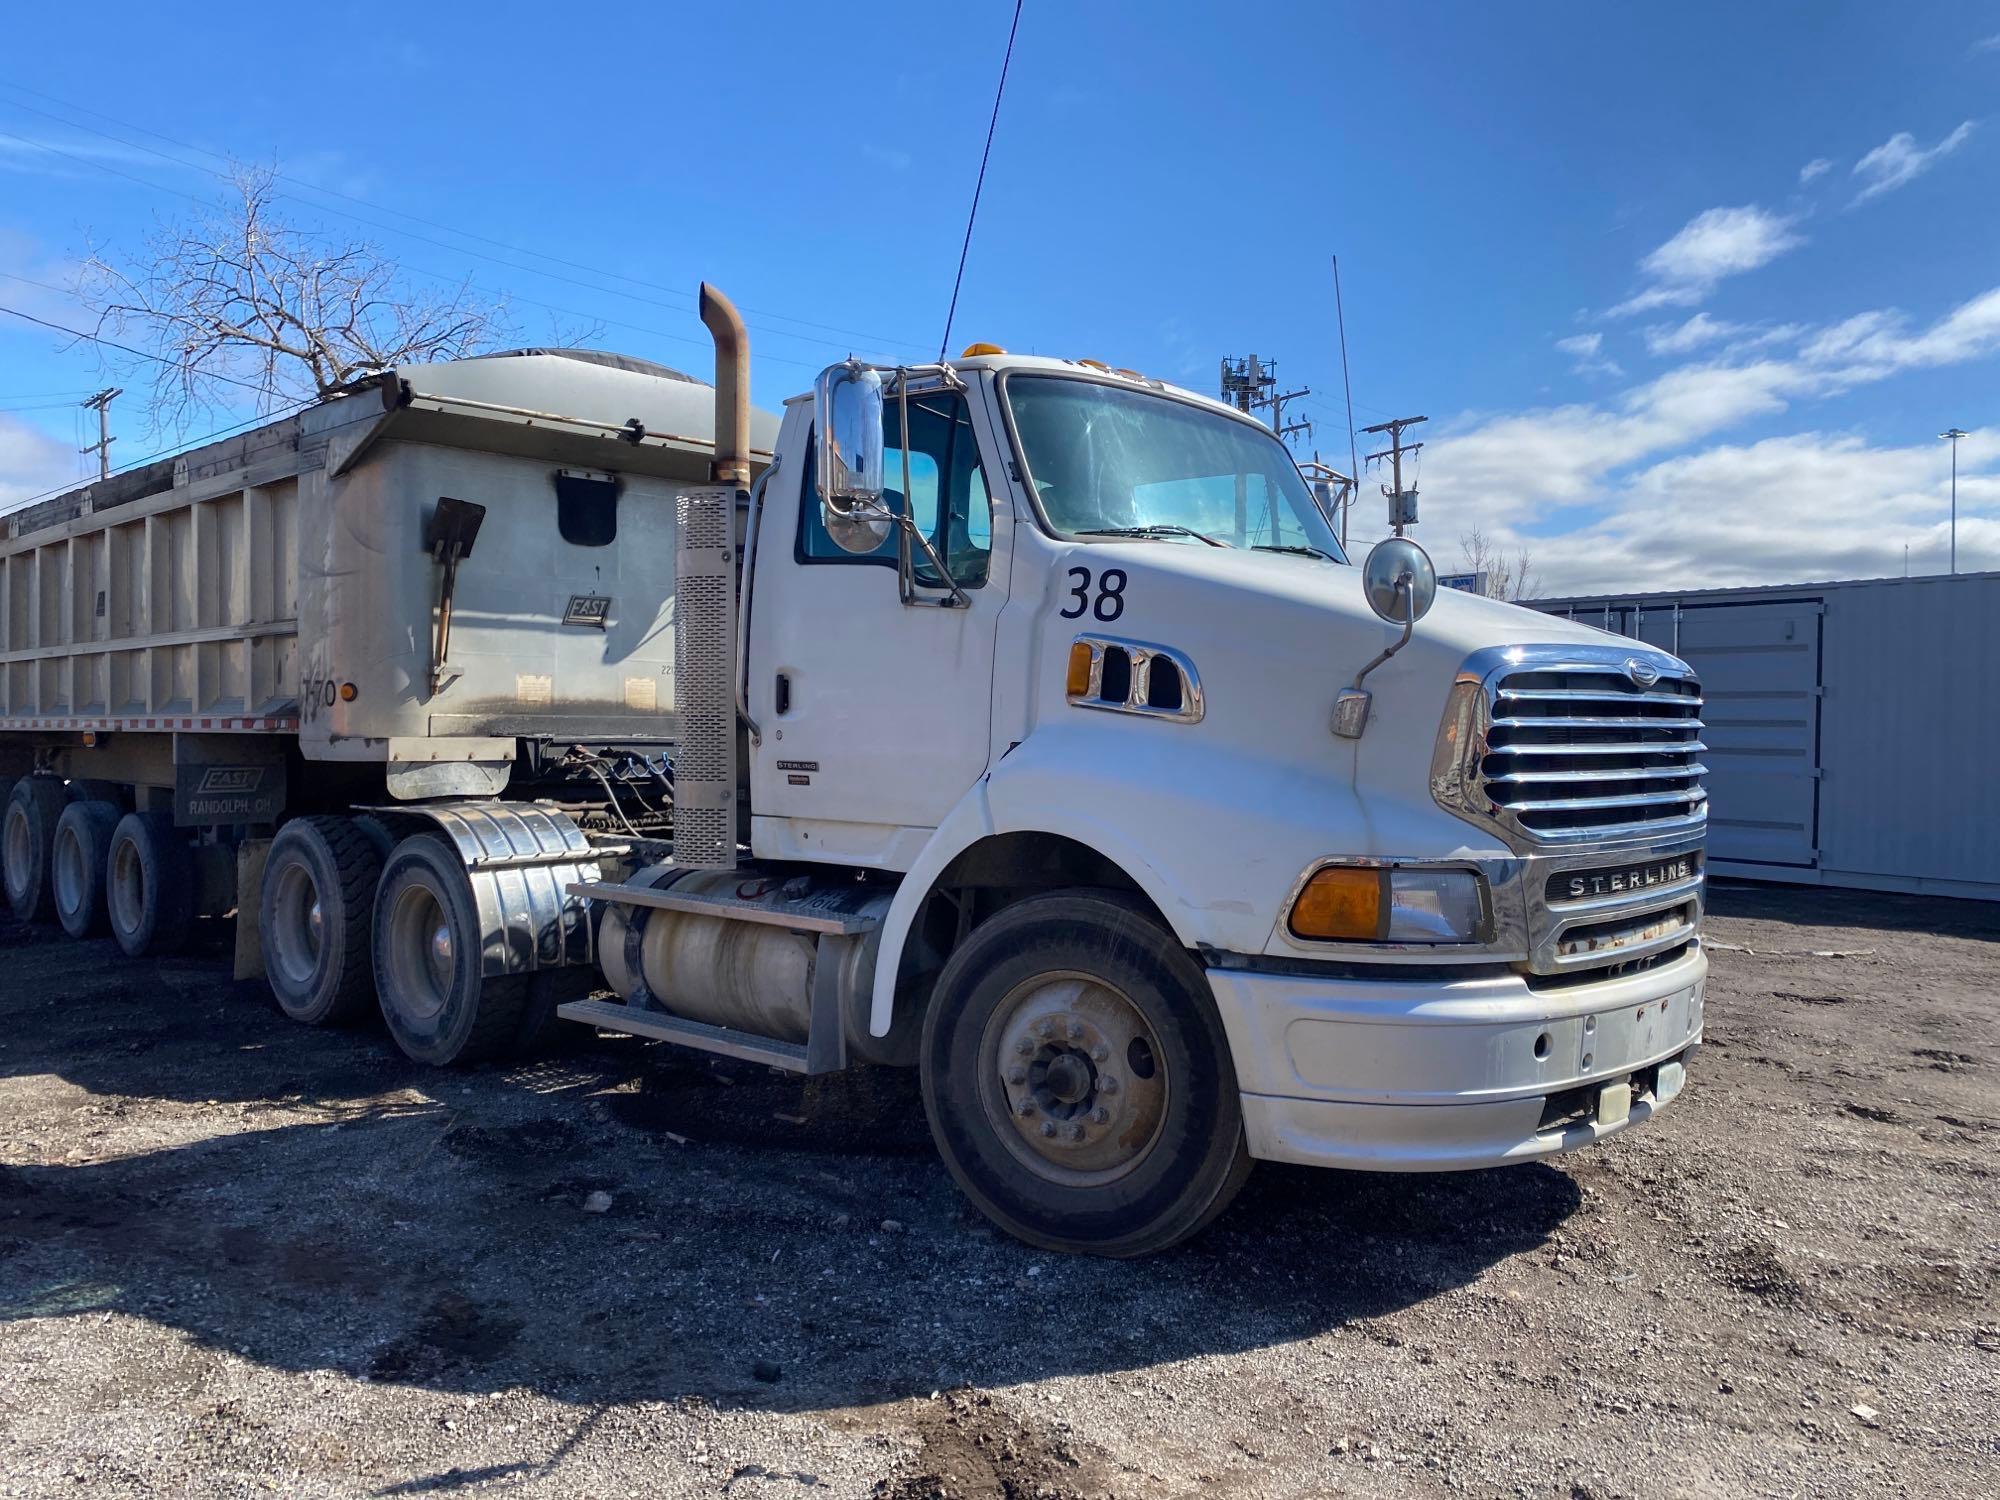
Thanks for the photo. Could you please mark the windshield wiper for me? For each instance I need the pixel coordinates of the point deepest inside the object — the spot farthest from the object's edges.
(1162, 529)
(1299, 547)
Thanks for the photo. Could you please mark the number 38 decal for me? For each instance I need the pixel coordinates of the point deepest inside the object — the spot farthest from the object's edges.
(1110, 601)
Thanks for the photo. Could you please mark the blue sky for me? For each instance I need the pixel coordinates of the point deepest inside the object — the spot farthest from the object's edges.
(1658, 346)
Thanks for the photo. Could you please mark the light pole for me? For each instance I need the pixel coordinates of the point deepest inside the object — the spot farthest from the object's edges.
(1954, 434)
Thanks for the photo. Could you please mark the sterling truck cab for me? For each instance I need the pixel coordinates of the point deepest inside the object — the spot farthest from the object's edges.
(1027, 725)
(1055, 651)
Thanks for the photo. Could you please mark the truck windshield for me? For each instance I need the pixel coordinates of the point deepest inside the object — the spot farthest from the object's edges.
(1105, 461)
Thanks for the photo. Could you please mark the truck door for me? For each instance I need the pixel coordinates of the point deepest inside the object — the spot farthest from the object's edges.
(875, 714)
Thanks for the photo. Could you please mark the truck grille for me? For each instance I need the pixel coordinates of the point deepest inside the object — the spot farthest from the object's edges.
(1568, 746)
(1574, 754)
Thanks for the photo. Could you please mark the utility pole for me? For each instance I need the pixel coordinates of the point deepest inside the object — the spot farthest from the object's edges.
(102, 447)
(1402, 502)
(1954, 434)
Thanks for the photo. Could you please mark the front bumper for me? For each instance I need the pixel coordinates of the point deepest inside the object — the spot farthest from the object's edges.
(1421, 1075)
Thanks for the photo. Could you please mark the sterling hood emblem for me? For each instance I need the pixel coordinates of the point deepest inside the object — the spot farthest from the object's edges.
(1642, 672)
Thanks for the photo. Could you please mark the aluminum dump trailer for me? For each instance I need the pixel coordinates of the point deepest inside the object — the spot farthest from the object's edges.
(287, 582)
(450, 590)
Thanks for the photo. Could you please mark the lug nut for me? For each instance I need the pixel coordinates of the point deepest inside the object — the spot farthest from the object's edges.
(1025, 1047)
(1075, 1029)
(1044, 1027)
(1017, 1076)
(1099, 1052)
(1107, 1085)
(1099, 1115)
(1076, 1132)
(1026, 1107)
(1048, 1127)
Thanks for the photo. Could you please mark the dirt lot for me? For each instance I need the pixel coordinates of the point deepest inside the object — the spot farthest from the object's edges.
(238, 1257)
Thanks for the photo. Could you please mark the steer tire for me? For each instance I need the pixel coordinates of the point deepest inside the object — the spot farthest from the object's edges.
(27, 844)
(149, 885)
(321, 970)
(439, 1007)
(80, 858)
(1060, 1006)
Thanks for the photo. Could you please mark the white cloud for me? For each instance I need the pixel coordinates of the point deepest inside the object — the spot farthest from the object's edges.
(1819, 166)
(1685, 338)
(1713, 244)
(1699, 331)
(1587, 348)
(1805, 506)
(1900, 159)
(1654, 513)
(30, 462)
(1988, 43)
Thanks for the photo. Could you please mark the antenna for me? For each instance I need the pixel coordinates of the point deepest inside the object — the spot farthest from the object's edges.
(1353, 464)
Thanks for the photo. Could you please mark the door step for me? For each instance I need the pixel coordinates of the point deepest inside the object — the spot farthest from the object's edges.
(630, 1019)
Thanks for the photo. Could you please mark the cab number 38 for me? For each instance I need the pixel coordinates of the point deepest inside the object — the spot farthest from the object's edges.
(1109, 602)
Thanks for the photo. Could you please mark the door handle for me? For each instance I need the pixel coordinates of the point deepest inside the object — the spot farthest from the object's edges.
(781, 694)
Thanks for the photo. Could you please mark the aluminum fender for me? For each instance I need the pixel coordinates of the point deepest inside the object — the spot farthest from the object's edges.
(1215, 836)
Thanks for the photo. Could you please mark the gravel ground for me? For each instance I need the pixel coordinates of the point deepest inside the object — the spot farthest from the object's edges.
(239, 1257)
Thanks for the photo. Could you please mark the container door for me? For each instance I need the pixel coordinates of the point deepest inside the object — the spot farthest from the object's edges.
(1759, 668)
(875, 714)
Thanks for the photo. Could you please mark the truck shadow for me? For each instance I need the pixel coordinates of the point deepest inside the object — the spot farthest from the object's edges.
(174, 1150)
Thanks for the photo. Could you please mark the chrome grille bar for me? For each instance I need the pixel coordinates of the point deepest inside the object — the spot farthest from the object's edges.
(1567, 745)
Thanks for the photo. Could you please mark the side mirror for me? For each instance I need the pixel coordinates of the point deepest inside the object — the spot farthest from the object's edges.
(1401, 585)
(847, 414)
(1399, 580)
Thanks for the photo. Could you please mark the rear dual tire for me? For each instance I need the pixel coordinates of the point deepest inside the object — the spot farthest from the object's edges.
(79, 862)
(438, 1004)
(149, 884)
(313, 919)
(27, 845)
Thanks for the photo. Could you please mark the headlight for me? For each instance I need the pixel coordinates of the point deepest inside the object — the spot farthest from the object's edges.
(1347, 903)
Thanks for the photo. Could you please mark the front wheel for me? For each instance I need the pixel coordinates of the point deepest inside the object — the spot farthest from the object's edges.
(1078, 1081)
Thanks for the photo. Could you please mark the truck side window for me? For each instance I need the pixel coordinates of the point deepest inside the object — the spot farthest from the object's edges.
(948, 495)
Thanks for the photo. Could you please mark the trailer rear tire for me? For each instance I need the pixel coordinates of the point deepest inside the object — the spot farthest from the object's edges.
(439, 1007)
(1078, 1080)
(149, 885)
(27, 837)
(79, 861)
(314, 919)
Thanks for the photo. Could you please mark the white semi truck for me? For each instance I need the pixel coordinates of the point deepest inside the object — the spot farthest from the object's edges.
(1019, 720)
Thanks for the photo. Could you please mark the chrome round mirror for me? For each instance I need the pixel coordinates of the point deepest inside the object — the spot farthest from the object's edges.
(857, 530)
(1399, 580)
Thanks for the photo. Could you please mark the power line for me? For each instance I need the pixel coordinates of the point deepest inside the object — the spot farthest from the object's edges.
(157, 359)
(979, 183)
(182, 447)
(687, 304)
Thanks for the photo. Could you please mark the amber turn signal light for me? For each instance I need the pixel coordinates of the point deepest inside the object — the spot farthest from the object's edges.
(1077, 682)
(1341, 902)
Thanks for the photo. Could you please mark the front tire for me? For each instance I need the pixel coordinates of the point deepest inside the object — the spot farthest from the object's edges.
(1078, 1081)
(439, 1007)
(81, 856)
(313, 919)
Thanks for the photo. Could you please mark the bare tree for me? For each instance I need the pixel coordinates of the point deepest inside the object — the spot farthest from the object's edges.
(239, 297)
(1504, 578)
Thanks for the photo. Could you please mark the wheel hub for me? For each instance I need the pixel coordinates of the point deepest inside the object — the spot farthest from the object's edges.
(1077, 1079)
